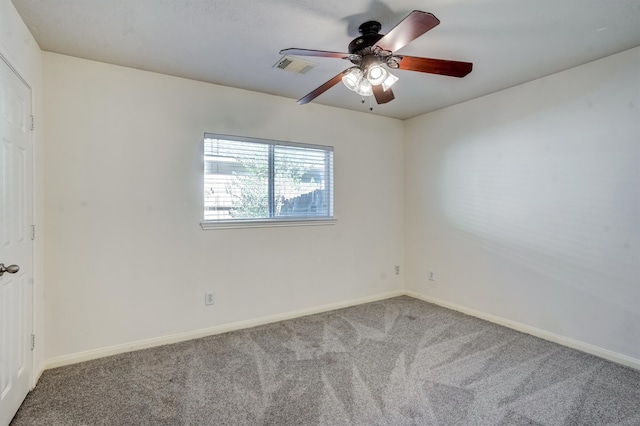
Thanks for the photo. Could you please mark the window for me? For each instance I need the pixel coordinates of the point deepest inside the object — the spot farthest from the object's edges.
(265, 183)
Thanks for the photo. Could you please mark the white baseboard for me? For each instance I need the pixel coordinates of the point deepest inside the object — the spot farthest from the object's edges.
(196, 334)
(180, 337)
(546, 335)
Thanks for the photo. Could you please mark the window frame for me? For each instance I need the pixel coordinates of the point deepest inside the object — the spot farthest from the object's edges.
(278, 221)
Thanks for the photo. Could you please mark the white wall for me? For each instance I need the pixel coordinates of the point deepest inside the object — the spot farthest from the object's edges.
(18, 46)
(126, 257)
(526, 204)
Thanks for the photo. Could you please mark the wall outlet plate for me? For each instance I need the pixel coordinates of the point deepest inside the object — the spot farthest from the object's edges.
(208, 298)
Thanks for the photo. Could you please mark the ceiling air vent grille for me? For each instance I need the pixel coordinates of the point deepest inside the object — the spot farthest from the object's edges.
(291, 64)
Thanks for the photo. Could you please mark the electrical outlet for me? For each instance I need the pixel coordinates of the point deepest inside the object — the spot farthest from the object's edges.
(432, 276)
(397, 269)
(208, 298)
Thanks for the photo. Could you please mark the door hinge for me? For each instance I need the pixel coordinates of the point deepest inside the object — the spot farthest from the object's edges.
(33, 122)
(33, 232)
(33, 341)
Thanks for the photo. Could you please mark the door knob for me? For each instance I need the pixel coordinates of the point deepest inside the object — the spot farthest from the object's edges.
(12, 269)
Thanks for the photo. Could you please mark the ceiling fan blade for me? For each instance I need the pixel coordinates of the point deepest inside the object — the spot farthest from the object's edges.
(407, 30)
(383, 96)
(309, 52)
(435, 66)
(320, 90)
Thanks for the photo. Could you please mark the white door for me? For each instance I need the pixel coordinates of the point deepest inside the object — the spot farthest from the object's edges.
(16, 212)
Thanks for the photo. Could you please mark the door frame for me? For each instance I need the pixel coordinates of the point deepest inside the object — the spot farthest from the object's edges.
(34, 375)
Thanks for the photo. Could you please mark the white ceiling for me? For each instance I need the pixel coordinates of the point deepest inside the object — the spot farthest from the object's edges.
(236, 42)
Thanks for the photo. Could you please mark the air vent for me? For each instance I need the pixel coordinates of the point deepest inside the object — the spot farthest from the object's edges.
(291, 64)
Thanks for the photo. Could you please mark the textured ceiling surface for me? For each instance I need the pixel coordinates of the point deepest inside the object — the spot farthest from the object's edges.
(236, 42)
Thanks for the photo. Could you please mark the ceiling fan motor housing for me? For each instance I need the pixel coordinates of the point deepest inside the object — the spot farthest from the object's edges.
(369, 37)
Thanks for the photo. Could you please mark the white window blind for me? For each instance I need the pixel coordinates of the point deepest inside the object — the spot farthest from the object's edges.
(248, 180)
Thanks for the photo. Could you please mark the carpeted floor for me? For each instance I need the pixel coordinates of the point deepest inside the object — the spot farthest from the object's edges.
(399, 361)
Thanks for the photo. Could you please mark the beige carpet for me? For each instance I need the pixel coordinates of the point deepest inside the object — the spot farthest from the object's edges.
(400, 361)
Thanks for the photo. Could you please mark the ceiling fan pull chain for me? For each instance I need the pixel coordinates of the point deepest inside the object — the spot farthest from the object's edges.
(370, 103)
(362, 99)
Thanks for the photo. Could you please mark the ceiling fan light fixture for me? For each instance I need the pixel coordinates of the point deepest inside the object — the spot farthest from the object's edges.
(376, 75)
(393, 62)
(364, 88)
(352, 78)
(389, 81)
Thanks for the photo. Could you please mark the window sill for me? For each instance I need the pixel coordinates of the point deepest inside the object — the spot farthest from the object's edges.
(237, 224)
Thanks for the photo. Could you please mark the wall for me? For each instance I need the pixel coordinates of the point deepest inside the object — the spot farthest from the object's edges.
(526, 204)
(21, 50)
(126, 257)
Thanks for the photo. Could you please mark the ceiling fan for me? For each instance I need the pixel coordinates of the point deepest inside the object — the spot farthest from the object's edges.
(370, 51)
